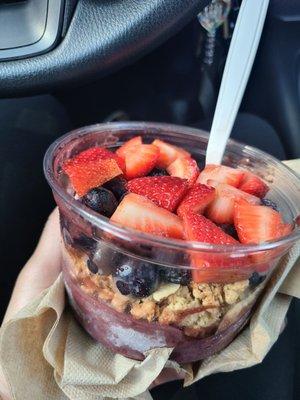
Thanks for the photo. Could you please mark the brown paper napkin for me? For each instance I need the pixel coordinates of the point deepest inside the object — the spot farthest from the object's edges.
(44, 353)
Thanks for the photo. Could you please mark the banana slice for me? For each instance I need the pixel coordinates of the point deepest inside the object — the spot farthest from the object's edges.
(165, 290)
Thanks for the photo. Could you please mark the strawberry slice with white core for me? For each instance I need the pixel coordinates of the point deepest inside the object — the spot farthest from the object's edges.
(197, 199)
(254, 185)
(165, 191)
(185, 168)
(139, 213)
(168, 153)
(258, 224)
(135, 141)
(140, 160)
(221, 174)
(213, 267)
(221, 210)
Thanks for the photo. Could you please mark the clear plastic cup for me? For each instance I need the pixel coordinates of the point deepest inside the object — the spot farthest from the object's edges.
(197, 320)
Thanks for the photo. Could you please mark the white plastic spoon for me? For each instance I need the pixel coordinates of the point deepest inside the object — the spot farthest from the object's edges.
(241, 54)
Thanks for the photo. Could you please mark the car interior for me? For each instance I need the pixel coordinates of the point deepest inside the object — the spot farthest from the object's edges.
(71, 63)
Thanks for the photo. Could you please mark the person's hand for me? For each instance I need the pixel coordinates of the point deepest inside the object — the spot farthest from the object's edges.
(40, 271)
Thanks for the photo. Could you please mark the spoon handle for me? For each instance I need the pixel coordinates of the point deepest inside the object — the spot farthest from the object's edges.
(237, 69)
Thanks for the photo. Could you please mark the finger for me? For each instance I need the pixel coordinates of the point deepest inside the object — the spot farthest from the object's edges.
(40, 271)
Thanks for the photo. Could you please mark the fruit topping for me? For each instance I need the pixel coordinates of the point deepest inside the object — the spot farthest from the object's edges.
(255, 279)
(168, 153)
(221, 210)
(139, 279)
(252, 184)
(89, 170)
(135, 141)
(117, 186)
(158, 172)
(175, 275)
(140, 213)
(92, 266)
(258, 224)
(269, 203)
(85, 243)
(185, 168)
(101, 200)
(230, 230)
(106, 258)
(140, 160)
(196, 200)
(165, 191)
(200, 229)
(222, 174)
(212, 267)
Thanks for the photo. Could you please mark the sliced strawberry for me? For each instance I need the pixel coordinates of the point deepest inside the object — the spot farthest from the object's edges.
(200, 229)
(88, 174)
(140, 160)
(96, 153)
(168, 153)
(217, 275)
(221, 210)
(252, 184)
(213, 267)
(139, 213)
(222, 174)
(197, 199)
(135, 141)
(165, 191)
(258, 224)
(185, 168)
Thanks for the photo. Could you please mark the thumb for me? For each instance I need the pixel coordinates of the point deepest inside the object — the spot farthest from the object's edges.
(40, 271)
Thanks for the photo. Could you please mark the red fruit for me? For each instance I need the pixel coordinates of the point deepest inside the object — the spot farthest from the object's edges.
(87, 174)
(140, 160)
(96, 153)
(197, 199)
(165, 191)
(168, 153)
(185, 168)
(200, 229)
(139, 213)
(213, 267)
(135, 141)
(221, 210)
(221, 174)
(252, 184)
(258, 224)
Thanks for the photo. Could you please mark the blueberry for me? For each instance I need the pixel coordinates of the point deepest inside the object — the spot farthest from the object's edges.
(145, 280)
(158, 172)
(101, 200)
(175, 275)
(230, 230)
(85, 243)
(255, 279)
(117, 186)
(106, 259)
(92, 266)
(139, 279)
(269, 203)
(123, 287)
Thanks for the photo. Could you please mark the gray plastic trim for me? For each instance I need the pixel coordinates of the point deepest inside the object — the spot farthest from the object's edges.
(47, 40)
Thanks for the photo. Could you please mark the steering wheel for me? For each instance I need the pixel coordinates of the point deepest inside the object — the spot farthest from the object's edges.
(94, 38)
